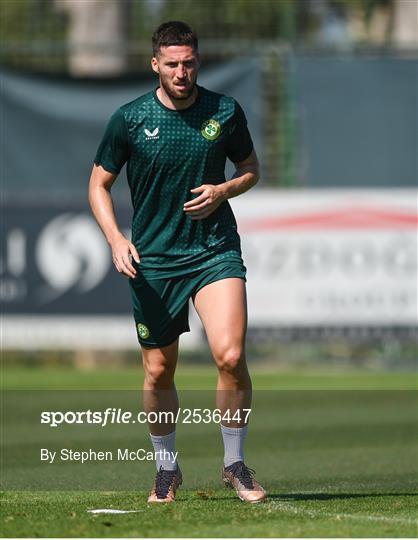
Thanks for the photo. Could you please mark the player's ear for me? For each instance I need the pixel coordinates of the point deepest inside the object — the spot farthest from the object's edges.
(154, 65)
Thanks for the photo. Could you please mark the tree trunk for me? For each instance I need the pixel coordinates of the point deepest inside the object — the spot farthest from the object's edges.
(405, 24)
(96, 36)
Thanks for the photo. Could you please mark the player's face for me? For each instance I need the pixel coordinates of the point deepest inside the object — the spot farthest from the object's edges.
(177, 66)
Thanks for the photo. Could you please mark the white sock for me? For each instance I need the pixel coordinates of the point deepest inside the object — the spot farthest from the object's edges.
(164, 448)
(233, 444)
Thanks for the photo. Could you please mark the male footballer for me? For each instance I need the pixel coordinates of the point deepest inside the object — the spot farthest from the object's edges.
(175, 141)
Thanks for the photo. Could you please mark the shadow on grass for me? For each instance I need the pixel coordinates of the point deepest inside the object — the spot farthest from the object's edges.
(203, 496)
(303, 496)
(332, 496)
(192, 496)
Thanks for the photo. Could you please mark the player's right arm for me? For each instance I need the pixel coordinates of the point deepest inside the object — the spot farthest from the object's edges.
(100, 199)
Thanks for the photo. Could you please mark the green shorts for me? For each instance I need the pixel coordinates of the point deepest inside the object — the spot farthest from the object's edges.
(161, 306)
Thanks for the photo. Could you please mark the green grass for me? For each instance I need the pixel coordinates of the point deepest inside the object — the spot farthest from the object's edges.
(212, 514)
(203, 378)
(337, 454)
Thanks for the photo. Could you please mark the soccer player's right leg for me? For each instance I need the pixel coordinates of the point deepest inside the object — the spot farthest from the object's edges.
(160, 395)
(161, 314)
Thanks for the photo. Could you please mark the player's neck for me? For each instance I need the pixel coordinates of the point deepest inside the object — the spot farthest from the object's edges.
(176, 104)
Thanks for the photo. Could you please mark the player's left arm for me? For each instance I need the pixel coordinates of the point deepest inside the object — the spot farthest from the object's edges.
(211, 196)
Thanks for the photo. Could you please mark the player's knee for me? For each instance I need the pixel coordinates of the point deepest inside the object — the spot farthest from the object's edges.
(158, 373)
(231, 360)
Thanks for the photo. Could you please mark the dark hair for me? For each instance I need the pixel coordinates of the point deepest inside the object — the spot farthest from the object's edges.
(173, 33)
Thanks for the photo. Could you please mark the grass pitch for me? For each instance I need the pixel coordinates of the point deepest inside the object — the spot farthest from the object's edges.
(337, 454)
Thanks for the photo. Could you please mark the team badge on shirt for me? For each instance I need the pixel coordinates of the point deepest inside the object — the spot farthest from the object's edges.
(143, 331)
(211, 129)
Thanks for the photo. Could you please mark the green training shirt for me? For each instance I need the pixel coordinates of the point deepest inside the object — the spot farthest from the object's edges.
(169, 152)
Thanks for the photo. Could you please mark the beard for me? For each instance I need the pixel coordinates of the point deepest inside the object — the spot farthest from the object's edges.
(173, 93)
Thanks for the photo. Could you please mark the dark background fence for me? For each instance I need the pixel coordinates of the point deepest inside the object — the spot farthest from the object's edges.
(329, 85)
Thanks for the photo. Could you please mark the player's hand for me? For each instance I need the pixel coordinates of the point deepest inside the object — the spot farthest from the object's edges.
(122, 253)
(203, 205)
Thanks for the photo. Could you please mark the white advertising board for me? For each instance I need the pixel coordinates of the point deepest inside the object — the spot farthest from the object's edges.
(330, 257)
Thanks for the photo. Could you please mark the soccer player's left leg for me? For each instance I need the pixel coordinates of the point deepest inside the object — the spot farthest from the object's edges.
(160, 395)
(222, 308)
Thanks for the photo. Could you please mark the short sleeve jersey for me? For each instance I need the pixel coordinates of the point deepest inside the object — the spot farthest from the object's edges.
(169, 152)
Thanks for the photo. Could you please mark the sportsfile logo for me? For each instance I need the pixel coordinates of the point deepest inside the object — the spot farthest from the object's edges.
(151, 135)
(113, 415)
